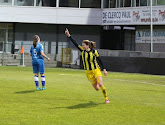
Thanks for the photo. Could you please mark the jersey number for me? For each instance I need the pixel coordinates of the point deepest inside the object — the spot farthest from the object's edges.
(35, 53)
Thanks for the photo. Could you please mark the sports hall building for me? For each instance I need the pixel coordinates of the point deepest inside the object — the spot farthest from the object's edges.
(113, 24)
(121, 29)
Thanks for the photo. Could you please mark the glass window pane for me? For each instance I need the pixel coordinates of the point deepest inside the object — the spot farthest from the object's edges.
(5, 2)
(121, 3)
(133, 3)
(137, 3)
(127, 3)
(68, 3)
(113, 3)
(106, 4)
(90, 3)
(153, 2)
(118, 3)
(24, 2)
(10, 39)
(48, 3)
(109, 3)
(143, 2)
(160, 2)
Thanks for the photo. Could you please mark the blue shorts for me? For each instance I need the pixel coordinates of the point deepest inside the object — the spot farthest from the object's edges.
(38, 66)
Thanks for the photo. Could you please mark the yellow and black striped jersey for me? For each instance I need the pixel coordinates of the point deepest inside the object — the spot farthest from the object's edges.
(89, 58)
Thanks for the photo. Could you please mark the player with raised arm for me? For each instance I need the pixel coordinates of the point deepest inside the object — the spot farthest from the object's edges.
(90, 57)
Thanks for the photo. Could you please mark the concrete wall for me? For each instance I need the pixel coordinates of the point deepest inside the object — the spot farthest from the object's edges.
(15, 60)
(122, 53)
(49, 15)
(133, 62)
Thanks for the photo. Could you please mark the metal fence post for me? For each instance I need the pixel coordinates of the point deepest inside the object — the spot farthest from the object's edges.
(21, 61)
(44, 47)
(3, 53)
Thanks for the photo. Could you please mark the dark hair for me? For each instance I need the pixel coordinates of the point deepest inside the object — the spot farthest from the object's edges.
(35, 40)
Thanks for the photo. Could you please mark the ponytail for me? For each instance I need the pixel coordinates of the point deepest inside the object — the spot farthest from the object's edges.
(35, 40)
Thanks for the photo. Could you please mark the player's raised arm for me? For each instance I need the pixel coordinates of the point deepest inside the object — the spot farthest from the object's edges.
(73, 41)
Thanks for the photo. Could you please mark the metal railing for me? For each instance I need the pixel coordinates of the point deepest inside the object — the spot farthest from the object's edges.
(8, 49)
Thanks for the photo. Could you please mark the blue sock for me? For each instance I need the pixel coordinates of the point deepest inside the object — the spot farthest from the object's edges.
(36, 80)
(43, 80)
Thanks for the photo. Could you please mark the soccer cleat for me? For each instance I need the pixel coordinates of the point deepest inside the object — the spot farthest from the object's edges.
(43, 88)
(38, 88)
(107, 101)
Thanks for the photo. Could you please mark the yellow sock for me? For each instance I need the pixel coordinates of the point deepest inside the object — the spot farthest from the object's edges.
(103, 89)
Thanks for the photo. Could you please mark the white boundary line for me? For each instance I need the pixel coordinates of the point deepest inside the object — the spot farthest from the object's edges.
(139, 82)
(123, 80)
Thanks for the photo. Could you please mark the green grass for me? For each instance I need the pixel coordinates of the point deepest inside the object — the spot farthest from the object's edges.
(69, 99)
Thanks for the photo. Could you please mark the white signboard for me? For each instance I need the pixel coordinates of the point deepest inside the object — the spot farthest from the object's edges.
(133, 16)
(117, 17)
(143, 36)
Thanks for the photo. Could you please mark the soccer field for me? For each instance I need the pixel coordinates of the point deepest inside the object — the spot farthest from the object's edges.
(69, 98)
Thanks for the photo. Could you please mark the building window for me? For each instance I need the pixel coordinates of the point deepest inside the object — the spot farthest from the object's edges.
(90, 3)
(109, 3)
(48, 3)
(127, 3)
(121, 3)
(143, 2)
(112, 3)
(137, 3)
(68, 3)
(106, 4)
(24, 2)
(5, 2)
(117, 3)
(154, 2)
(160, 2)
(133, 3)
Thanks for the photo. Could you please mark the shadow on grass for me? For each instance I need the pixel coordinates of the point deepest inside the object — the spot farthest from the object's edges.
(25, 92)
(82, 105)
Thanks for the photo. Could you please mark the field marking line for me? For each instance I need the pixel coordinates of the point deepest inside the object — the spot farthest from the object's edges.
(139, 82)
(125, 80)
(70, 75)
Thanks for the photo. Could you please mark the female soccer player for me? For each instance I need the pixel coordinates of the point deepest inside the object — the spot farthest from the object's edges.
(92, 69)
(37, 54)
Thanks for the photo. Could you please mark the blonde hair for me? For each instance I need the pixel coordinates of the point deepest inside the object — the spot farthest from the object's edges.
(91, 44)
(35, 40)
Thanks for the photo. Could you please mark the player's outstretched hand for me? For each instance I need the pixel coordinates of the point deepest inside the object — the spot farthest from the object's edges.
(105, 72)
(67, 32)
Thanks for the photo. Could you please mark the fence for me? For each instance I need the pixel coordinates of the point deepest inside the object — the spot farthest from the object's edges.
(50, 48)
